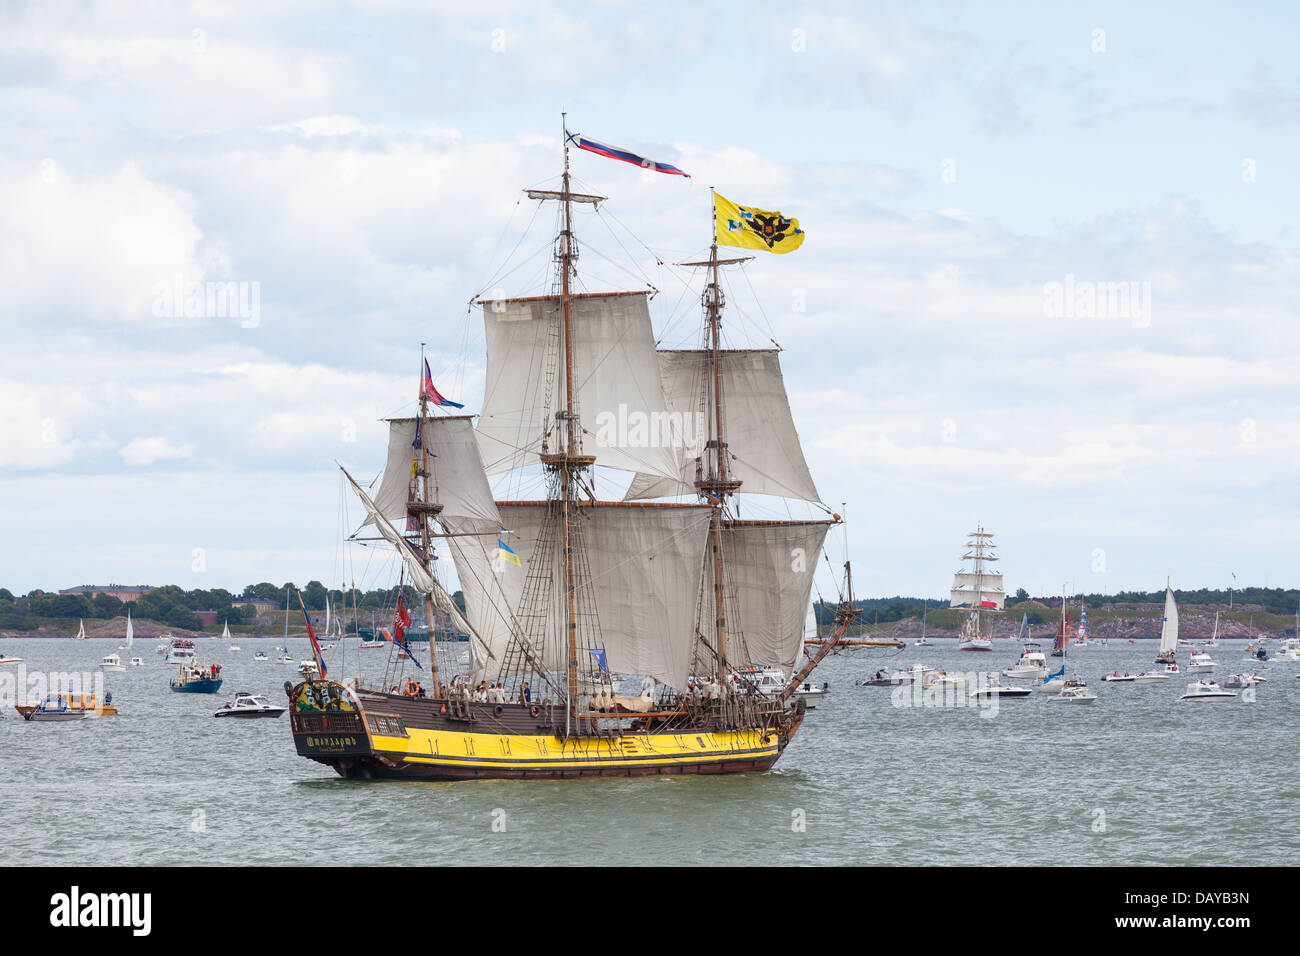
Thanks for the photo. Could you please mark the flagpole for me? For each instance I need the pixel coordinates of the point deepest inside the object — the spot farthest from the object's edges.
(425, 542)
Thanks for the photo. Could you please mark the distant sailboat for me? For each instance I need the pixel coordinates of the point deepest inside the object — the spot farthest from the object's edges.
(980, 590)
(1168, 629)
(130, 634)
(225, 636)
(81, 630)
(1061, 646)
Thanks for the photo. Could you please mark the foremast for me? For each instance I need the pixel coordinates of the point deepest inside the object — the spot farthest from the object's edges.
(426, 507)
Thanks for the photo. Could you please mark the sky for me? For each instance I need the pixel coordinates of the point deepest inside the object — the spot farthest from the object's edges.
(1050, 283)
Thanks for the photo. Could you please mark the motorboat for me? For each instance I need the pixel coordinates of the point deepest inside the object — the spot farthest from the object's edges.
(1201, 663)
(1118, 678)
(810, 693)
(1074, 692)
(1032, 663)
(1244, 680)
(197, 680)
(885, 678)
(249, 705)
(1207, 691)
(260, 656)
(942, 679)
(1154, 677)
(308, 669)
(111, 663)
(995, 691)
(180, 652)
(137, 662)
(68, 707)
(1290, 650)
(6, 659)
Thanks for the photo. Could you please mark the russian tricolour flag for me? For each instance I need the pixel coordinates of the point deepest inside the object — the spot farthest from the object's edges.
(627, 156)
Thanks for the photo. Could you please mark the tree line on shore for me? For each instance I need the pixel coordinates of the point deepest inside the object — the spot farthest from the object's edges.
(176, 607)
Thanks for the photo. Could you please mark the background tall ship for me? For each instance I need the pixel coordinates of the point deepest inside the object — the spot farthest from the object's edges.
(565, 591)
(978, 589)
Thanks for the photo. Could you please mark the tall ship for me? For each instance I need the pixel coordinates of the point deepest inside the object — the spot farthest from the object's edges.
(978, 588)
(571, 595)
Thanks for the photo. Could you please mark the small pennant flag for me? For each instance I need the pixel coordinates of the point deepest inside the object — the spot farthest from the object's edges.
(432, 394)
(627, 156)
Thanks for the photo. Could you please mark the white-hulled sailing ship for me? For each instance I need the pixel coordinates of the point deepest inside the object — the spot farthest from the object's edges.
(565, 591)
(1168, 629)
(979, 589)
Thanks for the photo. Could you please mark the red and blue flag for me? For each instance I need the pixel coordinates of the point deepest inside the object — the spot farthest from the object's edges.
(627, 156)
(432, 394)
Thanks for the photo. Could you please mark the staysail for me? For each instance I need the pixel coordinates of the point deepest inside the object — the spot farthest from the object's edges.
(617, 391)
(763, 446)
(643, 560)
(421, 578)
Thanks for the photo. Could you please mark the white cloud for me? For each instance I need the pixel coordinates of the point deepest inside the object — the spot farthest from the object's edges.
(146, 451)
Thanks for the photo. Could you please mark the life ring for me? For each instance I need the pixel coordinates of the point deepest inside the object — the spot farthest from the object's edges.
(411, 689)
(499, 710)
(535, 711)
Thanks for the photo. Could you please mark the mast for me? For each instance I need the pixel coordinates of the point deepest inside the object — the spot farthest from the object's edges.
(428, 509)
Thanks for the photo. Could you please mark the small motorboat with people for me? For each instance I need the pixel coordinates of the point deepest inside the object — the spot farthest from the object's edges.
(308, 669)
(1201, 663)
(886, 678)
(1290, 650)
(260, 656)
(1236, 681)
(1207, 691)
(942, 679)
(1157, 677)
(137, 662)
(68, 707)
(193, 679)
(1116, 677)
(249, 705)
(1074, 692)
(1032, 663)
(180, 651)
(111, 662)
(6, 659)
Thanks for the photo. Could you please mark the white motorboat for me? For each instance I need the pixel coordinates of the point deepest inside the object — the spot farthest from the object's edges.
(249, 705)
(810, 693)
(137, 662)
(6, 659)
(1244, 680)
(1201, 663)
(180, 651)
(1155, 677)
(1290, 650)
(260, 656)
(885, 678)
(111, 663)
(994, 690)
(1074, 692)
(1118, 678)
(1207, 691)
(1032, 663)
(308, 669)
(942, 679)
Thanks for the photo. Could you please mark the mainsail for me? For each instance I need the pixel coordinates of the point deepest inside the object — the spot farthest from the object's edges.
(616, 391)
(763, 447)
(1169, 623)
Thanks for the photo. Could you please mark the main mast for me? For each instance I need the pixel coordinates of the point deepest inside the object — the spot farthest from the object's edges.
(428, 510)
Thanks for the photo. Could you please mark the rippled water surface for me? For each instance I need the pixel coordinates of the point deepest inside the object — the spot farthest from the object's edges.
(1137, 778)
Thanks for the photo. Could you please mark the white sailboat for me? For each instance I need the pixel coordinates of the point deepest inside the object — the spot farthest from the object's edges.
(284, 656)
(130, 635)
(1214, 637)
(979, 589)
(226, 636)
(81, 630)
(1168, 629)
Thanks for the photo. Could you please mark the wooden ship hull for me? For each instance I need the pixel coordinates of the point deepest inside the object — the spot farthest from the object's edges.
(395, 736)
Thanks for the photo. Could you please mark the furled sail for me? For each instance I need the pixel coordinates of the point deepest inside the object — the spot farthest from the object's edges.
(978, 590)
(421, 579)
(1169, 627)
(769, 577)
(644, 563)
(455, 469)
(760, 433)
(618, 394)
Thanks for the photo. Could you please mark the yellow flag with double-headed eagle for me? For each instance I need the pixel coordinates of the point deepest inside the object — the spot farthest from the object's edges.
(754, 228)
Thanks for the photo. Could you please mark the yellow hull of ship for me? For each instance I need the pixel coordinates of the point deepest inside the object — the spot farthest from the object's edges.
(486, 751)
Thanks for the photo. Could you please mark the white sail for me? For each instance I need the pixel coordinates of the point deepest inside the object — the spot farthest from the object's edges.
(225, 630)
(130, 631)
(456, 475)
(421, 579)
(1169, 625)
(762, 443)
(769, 577)
(326, 632)
(644, 563)
(977, 590)
(81, 630)
(618, 394)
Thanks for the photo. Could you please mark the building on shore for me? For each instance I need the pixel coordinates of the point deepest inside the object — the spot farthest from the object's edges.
(123, 592)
